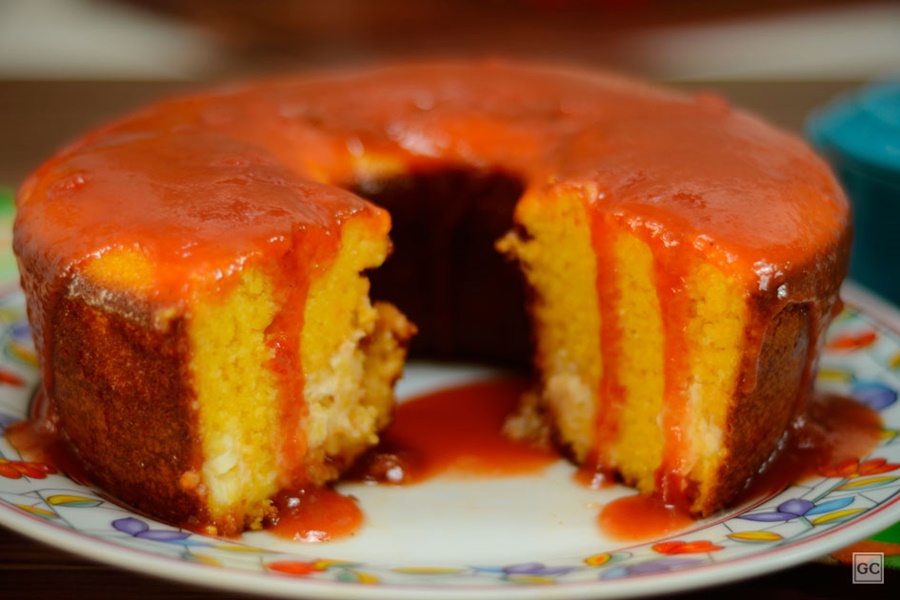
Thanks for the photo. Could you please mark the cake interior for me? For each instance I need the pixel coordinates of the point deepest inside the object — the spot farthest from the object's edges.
(625, 389)
(647, 399)
(350, 353)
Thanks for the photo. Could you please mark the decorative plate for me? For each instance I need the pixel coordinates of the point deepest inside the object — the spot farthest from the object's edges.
(519, 537)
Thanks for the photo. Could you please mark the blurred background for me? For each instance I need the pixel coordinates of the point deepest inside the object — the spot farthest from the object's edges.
(662, 39)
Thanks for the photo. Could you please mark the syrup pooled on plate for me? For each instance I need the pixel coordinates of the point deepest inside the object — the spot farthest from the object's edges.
(458, 432)
(454, 431)
(315, 514)
(831, 431)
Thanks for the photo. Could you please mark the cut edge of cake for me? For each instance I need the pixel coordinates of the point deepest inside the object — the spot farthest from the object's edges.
(656, 393)
(251, 344)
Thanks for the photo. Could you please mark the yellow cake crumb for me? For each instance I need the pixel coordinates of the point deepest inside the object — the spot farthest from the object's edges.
(351, 353)
(558, 261)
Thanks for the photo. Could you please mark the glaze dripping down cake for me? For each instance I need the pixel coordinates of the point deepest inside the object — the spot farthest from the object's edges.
(198, 278)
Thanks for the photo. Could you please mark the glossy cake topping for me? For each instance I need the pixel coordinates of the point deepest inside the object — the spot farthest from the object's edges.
(184, 175)
(200, 188)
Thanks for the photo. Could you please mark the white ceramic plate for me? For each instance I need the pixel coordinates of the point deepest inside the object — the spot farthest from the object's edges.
(523, 537)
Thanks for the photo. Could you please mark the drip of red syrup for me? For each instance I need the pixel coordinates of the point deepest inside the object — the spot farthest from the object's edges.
(315, 514)
(455, 431)
(458, 432)
(38, 440)
(641, 517)
(831, 431)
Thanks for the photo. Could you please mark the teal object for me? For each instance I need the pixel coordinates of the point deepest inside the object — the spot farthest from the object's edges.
(859, 134)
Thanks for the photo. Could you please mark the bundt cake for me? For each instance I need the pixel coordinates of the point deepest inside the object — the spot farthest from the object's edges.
(197, 277)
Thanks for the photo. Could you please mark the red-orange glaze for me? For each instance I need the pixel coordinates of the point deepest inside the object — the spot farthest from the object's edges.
(670, 288)
(38, 440)
(636, 518)
(454, 431)
(296, 273)
(315, 514)
(179, 179)
(41, 445)
(284, 342)
(831, 431)
(611, 395)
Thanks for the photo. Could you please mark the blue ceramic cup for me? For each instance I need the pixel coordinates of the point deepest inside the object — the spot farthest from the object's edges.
(859, 134)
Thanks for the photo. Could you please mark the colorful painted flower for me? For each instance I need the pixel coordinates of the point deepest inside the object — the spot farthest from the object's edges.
(21, 330)
(138, 529)
(354, 576)
(681, 547)
(536, 569)
(873, 394)
(73, 501)
(23, 353)
(853, 340)
(894, 360)
(10, 378)
(7, 420)
(530, 572)
(852, 468)
(16, 469)
(755, 537)
(345, 570)
(20, 346)
(296, 568)
(659, 565)
(606, 558)
(835, 376)
(795, 508)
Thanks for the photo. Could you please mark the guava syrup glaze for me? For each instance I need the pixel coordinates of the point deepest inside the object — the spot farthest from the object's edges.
(831, 431)
(457, 432)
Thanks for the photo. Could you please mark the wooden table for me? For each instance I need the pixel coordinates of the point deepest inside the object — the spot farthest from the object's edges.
(37, 117)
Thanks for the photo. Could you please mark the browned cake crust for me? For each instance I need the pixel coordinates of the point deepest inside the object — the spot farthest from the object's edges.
(122, 389)
(758, 416)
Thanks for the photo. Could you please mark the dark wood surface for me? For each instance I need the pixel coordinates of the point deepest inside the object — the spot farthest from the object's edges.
(36, 117)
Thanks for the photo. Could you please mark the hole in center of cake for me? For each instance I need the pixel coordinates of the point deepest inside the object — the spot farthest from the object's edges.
(445, 274)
